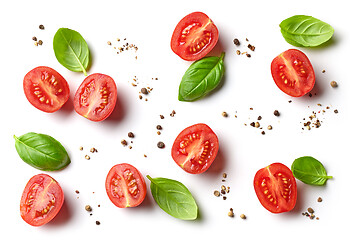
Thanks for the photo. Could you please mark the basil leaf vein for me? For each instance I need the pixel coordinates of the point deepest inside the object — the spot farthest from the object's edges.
(174, 198)
(310, 171)
(71, 50)
(201, 77)
(41, 151)
(306, 31)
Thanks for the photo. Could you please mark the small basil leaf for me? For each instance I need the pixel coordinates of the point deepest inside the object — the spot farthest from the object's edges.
(71, 50)
(310, 171)
(306, 31)
(41, 151)
(201, 77)
(174, 198)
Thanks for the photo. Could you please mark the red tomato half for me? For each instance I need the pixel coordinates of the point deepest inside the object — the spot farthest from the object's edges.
(96, 97)
(293, 73)
(194, 36)
(276, 188)
(195, 148)
(41, 200)
(45, 89)
(125, 186)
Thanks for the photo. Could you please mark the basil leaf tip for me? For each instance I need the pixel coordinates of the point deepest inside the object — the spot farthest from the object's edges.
(310, 171)
(173, 198)
(305, 31)
(202, 77)
(41, 151)
(71, 50)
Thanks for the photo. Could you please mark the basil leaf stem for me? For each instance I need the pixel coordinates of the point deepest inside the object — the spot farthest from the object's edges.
(174, 198)
(201, 77)
(41, 151)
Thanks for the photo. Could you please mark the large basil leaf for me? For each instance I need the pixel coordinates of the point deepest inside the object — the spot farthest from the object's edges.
(201, 77)
(41, 151)
(174, 198)
(306, 31)
(310, 171)
(71, 50)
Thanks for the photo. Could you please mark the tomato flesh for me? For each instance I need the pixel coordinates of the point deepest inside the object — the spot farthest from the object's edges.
(293, 73)
(45, 89)
(276, 188)
(194, 36)
(96, 97)
(195, 148)
(125, 186)
(41, 200)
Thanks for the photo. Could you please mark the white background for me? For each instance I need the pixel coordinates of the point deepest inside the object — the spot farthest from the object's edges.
(243, 149)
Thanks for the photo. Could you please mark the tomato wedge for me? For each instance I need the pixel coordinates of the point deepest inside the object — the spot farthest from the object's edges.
(194, 36)
(45, 89)
(96, 97)
(125, 186)
(41, 200)
(195, 148)
(276, 188)
(293, 73)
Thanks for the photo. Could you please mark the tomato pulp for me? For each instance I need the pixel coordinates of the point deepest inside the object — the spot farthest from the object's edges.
(96, 97)
(276, 188)
(195, 148)
(125, 186)
(45, 89)
(293, 73)
(194, 36)
(41, 200)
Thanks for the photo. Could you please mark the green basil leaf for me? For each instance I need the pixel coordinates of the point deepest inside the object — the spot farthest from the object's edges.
(174, 198)
(71, 50)
(41, 151)
(201, 77)
(306, 31)
(310, 171)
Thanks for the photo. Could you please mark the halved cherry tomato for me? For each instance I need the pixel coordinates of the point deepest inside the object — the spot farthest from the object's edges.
(195, 148)
(41, 200)
(276, 188)
(125, 186)
(96, 97)
(45, 89)
(194, 36)
(293, 73)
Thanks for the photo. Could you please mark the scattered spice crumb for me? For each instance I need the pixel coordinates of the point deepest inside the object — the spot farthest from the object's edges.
(87, 157)
(98, 222)
(77, 191)
(230, 213)
(88, 208)
(172, 114)
(160, 145)
(269, 127)
(144, 91)
(40, 42)
(81, 148)
(41, 27)
(109, 43)
(34, 38)
(159, 127)
(224, 114)
(276, 113)
(93, 150)
(131, 135)
(236, 42)
(319, 199)
(243, 216)
(161, 116)
(124, 142)
(334, 84)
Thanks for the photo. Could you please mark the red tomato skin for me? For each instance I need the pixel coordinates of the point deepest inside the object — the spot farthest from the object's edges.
(32, 86)
(84, 98)
(192, 22)
(32, 200)
(294, 67)
(273, 176)
(189, 135)
(124, 198)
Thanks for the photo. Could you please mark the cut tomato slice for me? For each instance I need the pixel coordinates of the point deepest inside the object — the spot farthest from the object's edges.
(45, 89)
(276, 188)
(96, 97)
(293, 73)
(195, 148)
(41, 200)
(194, 36)
(125, 186)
